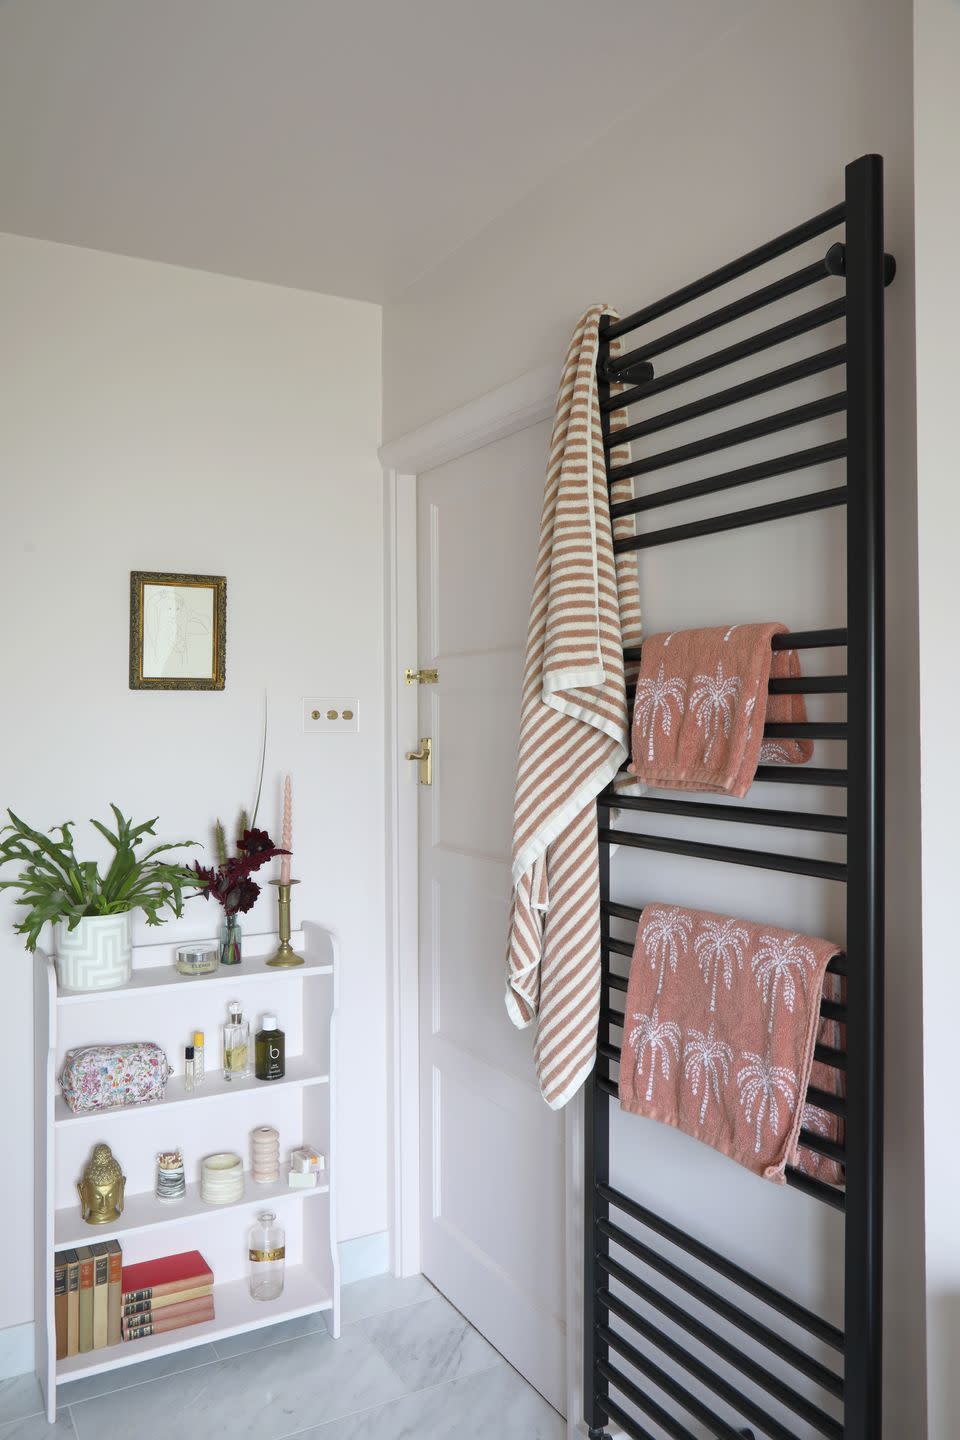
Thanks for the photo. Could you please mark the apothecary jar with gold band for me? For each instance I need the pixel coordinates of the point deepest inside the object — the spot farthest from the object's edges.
(267, 1257)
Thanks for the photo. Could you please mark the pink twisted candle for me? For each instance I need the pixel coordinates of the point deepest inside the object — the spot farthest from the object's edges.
(286, 837)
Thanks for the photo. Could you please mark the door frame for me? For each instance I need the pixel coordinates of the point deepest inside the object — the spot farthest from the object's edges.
(528, 400)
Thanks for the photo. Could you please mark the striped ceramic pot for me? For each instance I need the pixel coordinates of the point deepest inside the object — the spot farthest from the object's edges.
(96, 954)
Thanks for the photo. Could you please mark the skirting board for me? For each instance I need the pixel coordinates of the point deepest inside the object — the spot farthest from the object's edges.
(360, 1259)
(364, 1257)
(16, 1350)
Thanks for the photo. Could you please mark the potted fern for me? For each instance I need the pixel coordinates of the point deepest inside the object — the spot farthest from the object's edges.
(90, 911)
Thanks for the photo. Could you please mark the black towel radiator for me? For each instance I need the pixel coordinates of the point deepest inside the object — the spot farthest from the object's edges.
(705, 1399)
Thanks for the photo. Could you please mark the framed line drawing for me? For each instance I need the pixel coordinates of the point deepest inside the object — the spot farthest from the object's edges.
(178, 631)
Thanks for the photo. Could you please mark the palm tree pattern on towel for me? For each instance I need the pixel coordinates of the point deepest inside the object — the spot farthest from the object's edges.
(654, 701)
(659, 1037)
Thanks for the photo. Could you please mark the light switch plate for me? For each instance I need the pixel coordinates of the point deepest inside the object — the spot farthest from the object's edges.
(328, 715)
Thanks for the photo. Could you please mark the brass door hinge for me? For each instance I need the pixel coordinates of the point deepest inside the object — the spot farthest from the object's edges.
(421, 677)
(425, 756)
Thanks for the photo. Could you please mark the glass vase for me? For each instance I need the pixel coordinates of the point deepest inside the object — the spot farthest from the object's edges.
(231, 941)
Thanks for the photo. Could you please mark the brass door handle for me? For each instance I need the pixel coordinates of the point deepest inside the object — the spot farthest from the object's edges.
(425, 756)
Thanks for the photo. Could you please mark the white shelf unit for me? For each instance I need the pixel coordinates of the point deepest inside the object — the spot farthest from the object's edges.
(160, 1005)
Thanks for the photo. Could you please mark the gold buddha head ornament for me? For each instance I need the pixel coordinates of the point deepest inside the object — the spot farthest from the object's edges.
(101, 1187)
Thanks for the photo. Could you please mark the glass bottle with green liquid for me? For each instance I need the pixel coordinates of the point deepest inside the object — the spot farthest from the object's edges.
(270, 1047)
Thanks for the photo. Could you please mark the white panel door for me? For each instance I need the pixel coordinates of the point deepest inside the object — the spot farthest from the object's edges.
(492, 1153)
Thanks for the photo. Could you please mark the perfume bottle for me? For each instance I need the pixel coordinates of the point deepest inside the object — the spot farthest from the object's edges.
(197, 1058)
(236, 1044)
(267, 1255)
(188, 1068)
(270, 1047)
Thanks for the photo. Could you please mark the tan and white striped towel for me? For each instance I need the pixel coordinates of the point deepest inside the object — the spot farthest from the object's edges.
(574, 730)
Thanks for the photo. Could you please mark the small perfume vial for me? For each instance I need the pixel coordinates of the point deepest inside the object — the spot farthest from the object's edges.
(188, 1068)
(197, 1058)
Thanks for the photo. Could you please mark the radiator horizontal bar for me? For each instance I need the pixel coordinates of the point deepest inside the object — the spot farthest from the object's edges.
(826, 1100)
(822, 1099)
(627, 1424)
(830, 1194)
(715, 319)
(806, 1364)
(806, 730)
(837, 964)
(789, 240)
(789, 640)
(800, 775)
(808, 685)
(751, 1284)
(733, 395)
(740, 1402)
(737, 814)
(736, 520)
(727, 439)
(727, 854)
(825, 1054)
(730, 479)
(730, 355)
(833, 1010)
(784, 729)
(810, 1140)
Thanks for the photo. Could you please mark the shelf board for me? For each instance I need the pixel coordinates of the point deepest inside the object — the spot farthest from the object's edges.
(300, 1072)
(143, 1211)
(304, 1293)
(162, 977)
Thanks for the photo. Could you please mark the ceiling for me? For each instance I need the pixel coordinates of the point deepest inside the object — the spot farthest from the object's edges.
(343, 147)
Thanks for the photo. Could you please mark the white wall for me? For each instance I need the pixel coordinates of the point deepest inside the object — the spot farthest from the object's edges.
(937, 102)
(156, 418)
(745, 142)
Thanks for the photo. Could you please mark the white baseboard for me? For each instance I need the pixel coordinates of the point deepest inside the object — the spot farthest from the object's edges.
(364, 1257)
(16, 1350)
(360, 1259)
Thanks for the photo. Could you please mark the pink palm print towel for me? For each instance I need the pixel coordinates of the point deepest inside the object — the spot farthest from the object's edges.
(701, 704)
(721, 1021)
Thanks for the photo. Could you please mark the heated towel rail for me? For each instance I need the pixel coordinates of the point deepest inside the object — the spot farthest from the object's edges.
(671, 1390)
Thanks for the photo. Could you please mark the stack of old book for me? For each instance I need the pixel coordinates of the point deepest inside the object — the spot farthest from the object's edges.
(166, 1294)
(86, 1298)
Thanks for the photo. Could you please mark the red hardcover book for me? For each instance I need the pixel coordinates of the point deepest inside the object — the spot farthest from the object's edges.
(154, 1312)
(194, 1314)
(162, 1277)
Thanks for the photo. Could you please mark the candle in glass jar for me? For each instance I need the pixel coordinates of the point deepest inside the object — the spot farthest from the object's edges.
(286, 836)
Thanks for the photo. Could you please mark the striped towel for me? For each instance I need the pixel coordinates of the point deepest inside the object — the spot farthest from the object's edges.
(574, 730)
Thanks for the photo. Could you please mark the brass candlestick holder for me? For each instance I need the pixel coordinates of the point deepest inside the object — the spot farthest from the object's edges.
(286, 957)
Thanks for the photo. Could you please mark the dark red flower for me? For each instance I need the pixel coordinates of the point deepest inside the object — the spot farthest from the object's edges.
(230, 884)
(256, 848)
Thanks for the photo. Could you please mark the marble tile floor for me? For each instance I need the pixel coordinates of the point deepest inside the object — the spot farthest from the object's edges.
(407, 1367)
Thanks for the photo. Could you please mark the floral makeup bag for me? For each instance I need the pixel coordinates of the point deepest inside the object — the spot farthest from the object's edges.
(98, 1077)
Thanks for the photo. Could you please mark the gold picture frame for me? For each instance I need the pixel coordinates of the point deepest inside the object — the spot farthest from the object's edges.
(177, 641)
